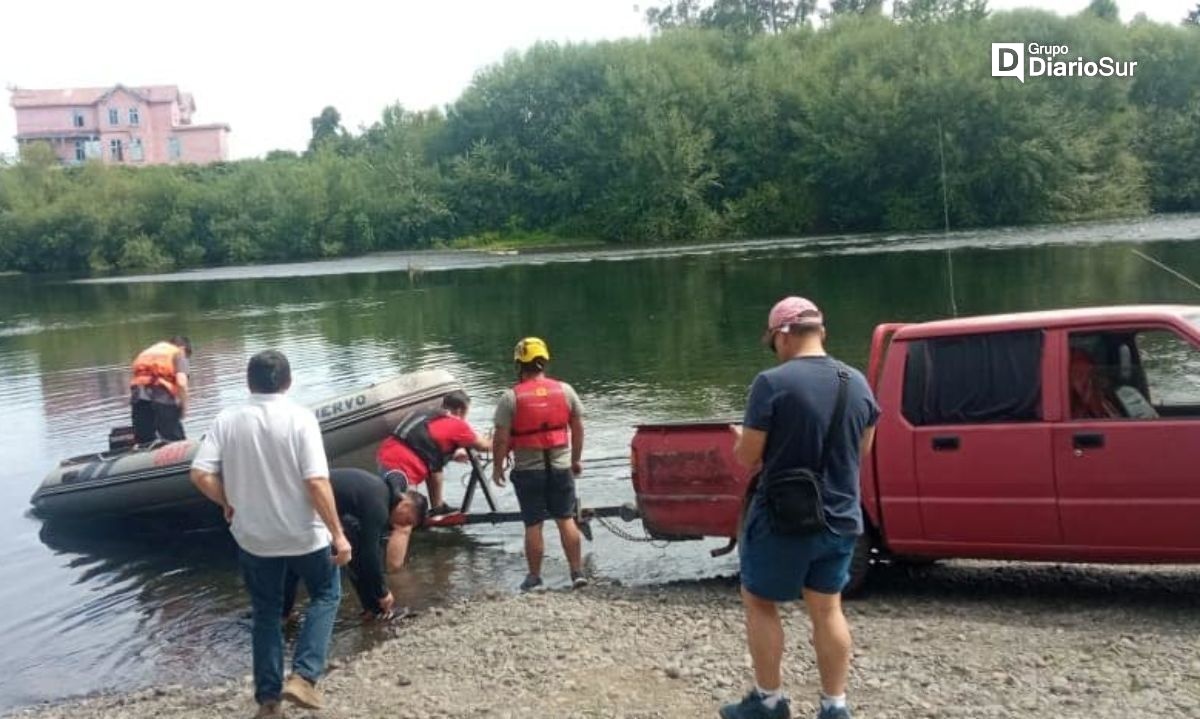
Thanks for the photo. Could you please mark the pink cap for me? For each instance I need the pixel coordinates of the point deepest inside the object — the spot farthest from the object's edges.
(793, 311)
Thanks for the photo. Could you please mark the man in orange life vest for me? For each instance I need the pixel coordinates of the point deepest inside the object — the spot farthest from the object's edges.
(532, 420)
(158, 391)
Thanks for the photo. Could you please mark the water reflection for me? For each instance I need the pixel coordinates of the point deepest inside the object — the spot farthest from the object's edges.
(649, 337)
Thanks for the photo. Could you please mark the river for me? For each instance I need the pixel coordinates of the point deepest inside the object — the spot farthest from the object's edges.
(643, 334)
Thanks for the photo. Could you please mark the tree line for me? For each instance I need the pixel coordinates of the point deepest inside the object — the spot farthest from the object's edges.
(736, 118)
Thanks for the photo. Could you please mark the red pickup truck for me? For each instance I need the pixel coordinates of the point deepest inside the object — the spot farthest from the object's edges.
(1069, 435)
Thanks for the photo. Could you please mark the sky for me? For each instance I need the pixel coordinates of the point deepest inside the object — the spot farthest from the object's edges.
(267, 67)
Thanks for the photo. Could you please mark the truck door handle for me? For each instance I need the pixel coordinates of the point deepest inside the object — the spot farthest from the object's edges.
(945, 443)
(1088, 440)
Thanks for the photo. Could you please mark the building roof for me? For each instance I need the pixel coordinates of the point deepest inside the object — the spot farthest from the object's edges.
(1044, 320)
(87, 96)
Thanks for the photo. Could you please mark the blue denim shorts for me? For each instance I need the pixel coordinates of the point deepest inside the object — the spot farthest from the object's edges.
(779, 567)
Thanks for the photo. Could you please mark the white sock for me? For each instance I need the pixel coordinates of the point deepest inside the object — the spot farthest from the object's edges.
(831, 702)
(769, 698)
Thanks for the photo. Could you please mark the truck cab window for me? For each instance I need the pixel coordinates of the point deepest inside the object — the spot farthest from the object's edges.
(1171, 370)
(1142, 374)
(974, 379)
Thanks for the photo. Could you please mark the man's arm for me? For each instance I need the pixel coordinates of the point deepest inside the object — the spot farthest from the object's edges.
(499, 454)
(206, 467)
(368, 565)
(506, 407)
(576, 444)
(867, 441)
(181, 382)
(211, 486)
(467, 438)
(748, 449)
(397, 547)
(321, 495)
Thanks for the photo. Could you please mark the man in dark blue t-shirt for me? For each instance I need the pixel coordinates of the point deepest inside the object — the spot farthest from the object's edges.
(789, 412)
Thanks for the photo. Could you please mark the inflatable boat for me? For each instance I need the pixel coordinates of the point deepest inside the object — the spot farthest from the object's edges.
(154, 480)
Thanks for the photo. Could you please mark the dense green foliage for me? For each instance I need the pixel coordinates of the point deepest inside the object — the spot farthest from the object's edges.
(725, 125)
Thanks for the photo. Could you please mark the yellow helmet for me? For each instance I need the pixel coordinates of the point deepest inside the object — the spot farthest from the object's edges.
(530, 349)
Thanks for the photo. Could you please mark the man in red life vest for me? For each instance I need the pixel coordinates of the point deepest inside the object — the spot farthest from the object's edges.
(158, 390)
(541, 421)
(422, 444)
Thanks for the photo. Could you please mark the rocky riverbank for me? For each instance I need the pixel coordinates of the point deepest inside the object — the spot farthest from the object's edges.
(970, 640)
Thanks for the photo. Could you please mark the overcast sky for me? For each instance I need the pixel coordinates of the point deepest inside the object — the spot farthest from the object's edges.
(267, 66)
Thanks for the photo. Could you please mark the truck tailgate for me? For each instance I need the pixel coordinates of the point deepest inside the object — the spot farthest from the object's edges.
(687, 482)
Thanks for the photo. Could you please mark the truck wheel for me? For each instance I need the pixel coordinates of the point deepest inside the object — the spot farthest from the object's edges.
(860, 564)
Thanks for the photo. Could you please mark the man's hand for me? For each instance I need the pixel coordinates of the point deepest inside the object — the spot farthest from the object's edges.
(576, 468)
(341, 550)
(386, 605)
(498, 476)
(228, 513)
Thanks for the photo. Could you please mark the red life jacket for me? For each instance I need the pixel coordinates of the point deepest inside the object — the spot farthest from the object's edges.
(155, 366)
(542, 415)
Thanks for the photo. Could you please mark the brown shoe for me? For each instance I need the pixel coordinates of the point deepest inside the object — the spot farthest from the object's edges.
(302, 692)
(269, 710)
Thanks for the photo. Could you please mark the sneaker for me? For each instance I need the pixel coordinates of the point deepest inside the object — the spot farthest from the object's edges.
(578, 581)
(302, 692)
(751, 707)
(532, 582)
(269, 709)
(441, 510)
(834, 713)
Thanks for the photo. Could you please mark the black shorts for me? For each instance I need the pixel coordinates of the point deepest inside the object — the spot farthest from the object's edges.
(544, 495)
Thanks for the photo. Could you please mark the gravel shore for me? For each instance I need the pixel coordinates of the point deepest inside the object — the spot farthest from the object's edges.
(963, 639)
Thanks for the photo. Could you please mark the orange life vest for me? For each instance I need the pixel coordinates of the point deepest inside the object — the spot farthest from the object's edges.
(542, 415)
(156, 366)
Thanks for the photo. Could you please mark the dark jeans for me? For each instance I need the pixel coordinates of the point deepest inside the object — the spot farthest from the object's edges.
(365, 578)
(544, 494)
(156, 420)
(264, 578)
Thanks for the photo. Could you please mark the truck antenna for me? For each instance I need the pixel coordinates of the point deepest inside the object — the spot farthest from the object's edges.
(946, 219)
(1164, 268)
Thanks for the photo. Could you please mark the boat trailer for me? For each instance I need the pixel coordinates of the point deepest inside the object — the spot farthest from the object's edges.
(478, 482)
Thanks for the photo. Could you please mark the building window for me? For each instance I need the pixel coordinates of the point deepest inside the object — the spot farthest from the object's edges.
(77, 118)
(134, 117)
(80, 150)
(114, 151)
(114, 116)
(174, 151)
(135, 150)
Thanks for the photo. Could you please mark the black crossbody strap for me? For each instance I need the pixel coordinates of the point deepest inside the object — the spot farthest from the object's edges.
(835, 423)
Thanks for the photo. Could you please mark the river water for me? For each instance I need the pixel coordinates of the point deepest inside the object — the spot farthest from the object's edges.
(642, 334)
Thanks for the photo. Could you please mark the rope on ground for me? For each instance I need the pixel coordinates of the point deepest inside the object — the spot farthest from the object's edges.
(609, 458)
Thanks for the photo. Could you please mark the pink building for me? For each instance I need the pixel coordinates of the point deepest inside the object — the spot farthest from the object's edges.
(148, 125)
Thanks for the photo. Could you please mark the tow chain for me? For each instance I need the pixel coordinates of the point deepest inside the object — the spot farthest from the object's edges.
(620, 533)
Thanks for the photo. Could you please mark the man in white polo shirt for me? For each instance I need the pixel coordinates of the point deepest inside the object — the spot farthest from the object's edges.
(264, 463)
